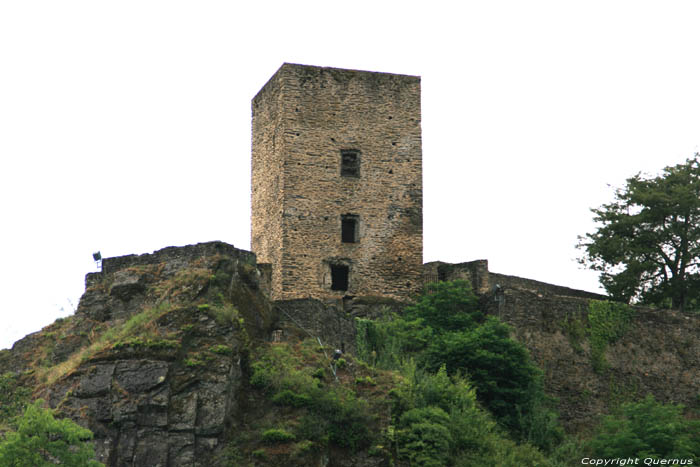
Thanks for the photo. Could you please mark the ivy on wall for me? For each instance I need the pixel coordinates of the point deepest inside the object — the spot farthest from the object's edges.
(607, 322)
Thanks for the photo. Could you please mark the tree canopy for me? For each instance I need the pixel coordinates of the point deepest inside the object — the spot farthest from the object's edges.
(647, 245)
(647, 429)
(41, 440)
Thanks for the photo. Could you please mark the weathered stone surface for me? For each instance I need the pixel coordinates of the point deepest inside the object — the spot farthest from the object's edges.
(140, 375)
(97, 381)
(183, 411)
(181, 448)
(127, 283)
(304, 118)
(151, 448)
(659, 354)
(164, 397)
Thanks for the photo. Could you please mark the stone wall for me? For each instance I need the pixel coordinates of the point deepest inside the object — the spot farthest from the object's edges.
(659, 354)
(267, 187)
(483, 281)
(331, 321)
(302, 120)
(173, 258)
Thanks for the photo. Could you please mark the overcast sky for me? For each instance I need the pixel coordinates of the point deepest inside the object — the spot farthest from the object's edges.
(125, 126)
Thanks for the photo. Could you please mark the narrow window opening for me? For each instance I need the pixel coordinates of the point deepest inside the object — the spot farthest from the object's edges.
(339, 277)
(350, 163)
(349, 229)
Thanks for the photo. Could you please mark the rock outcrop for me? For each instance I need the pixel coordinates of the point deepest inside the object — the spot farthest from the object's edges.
(152, 361)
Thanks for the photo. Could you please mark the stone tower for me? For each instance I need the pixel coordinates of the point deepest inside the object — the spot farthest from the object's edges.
(337, 183)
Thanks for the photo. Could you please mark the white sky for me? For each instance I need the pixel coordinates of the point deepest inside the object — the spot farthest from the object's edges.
(125, 126)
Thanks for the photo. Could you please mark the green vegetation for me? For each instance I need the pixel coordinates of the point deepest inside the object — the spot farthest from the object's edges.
(13, 399)
(291, 399)
(438, 421)
(43, 441)
(576, 330)
(221, 349)
(647, 429)
(445, 328)
(146, 343)
(647, 247)
(608, 321)
(439, 385)
(193, 362)
(139, 329)
(277, 435)
(333, 415)
(604, 323)
(366, 380)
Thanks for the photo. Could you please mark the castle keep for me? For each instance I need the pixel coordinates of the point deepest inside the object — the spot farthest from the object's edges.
(337, 183)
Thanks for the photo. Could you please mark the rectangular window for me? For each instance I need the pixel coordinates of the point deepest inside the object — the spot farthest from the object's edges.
(339, 277)
(350, 228)
(350, 163)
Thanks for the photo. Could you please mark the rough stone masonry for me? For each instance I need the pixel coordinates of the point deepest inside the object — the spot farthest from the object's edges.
(337, 183)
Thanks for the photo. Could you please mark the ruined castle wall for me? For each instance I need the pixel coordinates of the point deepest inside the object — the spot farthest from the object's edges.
(174, 258)
(541, 287)
(483, 281)
(659, 354)
(321, 112)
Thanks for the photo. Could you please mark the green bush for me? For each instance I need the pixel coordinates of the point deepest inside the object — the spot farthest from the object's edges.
(444, 332)
(302, 447)
(647, 429)
(365, 380)
(449, 306)
(291, 399)
(222, 349)
(277, 435)
(500, 368)
(43, 441)
(474, 436)
(225, 315)
(335, 415)
(348, 418)
(13, 398)
(276, 368)
(425, 438)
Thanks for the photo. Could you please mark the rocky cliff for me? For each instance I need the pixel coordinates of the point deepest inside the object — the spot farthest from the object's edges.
(152, 360)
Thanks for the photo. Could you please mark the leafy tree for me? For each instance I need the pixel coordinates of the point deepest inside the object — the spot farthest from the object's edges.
(445, 333)
(449, 306)
(648, 429)
(647, 246)
(43, 441)
(425, 437)
(440, 423)
(13, 398)
(463, 340)
(500, 368)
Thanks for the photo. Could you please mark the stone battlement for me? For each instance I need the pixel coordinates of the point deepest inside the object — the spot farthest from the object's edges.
(483, 281)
